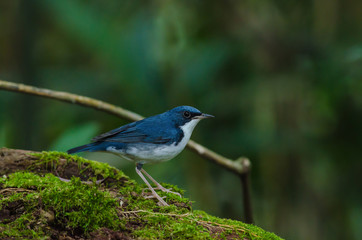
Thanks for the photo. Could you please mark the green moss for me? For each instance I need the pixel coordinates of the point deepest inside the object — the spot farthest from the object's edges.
(249, 230)
(51, 159)
(172, 225)
(19, 230)
(76, 205)
(51, 205)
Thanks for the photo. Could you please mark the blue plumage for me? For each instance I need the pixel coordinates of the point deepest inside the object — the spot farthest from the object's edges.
(159, 129)
(151, 140)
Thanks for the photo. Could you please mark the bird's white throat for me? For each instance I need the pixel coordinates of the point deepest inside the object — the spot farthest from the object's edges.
(188, 128)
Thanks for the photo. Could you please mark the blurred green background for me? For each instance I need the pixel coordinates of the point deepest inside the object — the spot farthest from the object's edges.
(283, 78)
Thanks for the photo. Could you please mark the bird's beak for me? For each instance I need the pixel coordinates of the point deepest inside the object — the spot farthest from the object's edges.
(203, 115)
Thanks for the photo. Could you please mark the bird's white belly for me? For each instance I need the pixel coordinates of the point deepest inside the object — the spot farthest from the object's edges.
(149, 153)
(154, 153)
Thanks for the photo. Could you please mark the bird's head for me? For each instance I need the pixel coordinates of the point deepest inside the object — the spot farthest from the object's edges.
(187, 117)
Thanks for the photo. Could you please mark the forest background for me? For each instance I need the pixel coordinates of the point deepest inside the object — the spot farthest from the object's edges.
(283, 79)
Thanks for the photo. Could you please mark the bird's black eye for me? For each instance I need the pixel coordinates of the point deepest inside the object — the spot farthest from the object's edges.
(187, 114)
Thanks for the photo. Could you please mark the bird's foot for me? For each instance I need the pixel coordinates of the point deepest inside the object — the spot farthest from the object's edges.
(167, 190)
(150, 195)
(162, 204)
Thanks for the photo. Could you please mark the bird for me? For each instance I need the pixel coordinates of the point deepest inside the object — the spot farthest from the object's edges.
(155, 139)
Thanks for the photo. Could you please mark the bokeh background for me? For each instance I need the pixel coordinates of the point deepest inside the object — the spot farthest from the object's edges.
(283, 78)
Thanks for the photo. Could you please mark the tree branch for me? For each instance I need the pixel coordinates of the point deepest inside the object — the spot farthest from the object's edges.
(240, 166)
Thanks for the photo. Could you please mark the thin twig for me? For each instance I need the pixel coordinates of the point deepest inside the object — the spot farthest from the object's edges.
(226, 226)
(71, 98)
(134, 214)
(240, 166)
(85, 182)
(154, 213)
(15, 190)
(245, 189)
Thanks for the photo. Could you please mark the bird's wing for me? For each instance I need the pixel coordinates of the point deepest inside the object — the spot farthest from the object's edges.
(112, 133)
(133, 133)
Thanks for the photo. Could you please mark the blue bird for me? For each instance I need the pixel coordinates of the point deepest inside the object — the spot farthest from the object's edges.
(152, 140)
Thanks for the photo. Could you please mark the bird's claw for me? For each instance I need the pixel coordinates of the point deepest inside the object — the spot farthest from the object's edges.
(148, 195)
(167, 190)
(152, 196)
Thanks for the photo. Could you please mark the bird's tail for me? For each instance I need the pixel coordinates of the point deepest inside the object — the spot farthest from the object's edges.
(83, 148)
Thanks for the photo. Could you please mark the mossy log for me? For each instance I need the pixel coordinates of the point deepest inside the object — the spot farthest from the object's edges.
(53, 195)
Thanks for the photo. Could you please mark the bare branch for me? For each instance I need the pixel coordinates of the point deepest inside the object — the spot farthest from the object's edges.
(71, 98)
(240, 166)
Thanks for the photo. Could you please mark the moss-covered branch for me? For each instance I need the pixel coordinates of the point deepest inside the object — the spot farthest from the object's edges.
(35, 203)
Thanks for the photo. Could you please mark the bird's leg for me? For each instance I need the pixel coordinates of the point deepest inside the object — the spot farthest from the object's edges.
(159, 186)
(160, 200)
